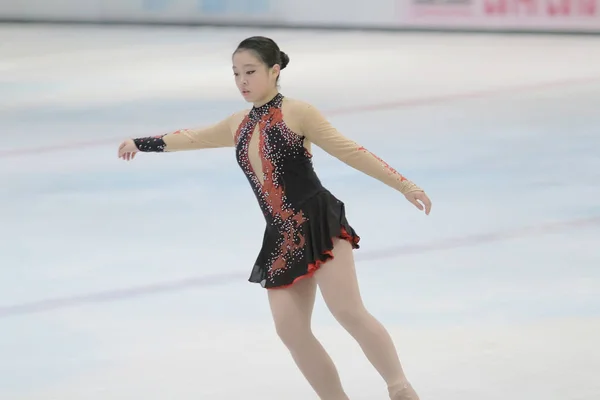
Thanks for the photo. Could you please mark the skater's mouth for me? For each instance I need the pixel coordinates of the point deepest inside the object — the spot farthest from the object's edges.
(245, 92)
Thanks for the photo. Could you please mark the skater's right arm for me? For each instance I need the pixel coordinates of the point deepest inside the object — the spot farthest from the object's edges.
(215, 136)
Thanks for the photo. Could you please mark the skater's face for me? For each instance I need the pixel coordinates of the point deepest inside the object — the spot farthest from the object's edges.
(253, 77)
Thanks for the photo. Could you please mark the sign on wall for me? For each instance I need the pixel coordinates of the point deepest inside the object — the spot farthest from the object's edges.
(513, 14)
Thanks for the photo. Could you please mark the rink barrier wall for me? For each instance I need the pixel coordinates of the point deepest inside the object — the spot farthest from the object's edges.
(520, 16)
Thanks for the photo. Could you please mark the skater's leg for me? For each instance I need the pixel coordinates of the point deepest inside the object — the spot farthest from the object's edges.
(339, 285)
(292, 311)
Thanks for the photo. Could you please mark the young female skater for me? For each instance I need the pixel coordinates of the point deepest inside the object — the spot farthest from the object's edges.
(307, 240)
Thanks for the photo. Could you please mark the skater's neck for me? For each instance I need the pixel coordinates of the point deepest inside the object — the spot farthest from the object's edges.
(267, 98)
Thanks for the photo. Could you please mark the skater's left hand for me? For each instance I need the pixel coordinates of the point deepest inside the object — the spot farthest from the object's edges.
(420, 200)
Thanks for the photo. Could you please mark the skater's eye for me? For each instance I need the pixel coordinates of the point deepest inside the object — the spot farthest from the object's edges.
(236, 73)
(251, 72)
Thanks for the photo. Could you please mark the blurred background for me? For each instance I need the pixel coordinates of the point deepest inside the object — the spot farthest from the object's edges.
(129, 280)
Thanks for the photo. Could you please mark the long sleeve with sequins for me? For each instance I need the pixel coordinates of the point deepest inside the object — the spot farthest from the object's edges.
(319, 131)
(215, 136)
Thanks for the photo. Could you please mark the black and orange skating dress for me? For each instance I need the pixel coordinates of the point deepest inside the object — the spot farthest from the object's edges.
(273, 148)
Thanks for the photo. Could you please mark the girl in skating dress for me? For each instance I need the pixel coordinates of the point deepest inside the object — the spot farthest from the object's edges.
(308, 241)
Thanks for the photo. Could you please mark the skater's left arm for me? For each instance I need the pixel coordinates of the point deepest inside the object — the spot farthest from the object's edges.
(317, 129)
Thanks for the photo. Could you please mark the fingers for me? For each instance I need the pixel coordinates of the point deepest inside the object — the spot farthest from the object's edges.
(127, 156)
(421, 201)
(426, 202)
(415, 201)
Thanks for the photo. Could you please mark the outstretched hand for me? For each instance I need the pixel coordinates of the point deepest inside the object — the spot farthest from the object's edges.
(128, 150)
(420, 200)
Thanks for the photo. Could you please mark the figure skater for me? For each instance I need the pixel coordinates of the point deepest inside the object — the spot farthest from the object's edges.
(307, 240)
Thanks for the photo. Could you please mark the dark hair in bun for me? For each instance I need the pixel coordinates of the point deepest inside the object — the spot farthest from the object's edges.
(285, 60)
(266, 50)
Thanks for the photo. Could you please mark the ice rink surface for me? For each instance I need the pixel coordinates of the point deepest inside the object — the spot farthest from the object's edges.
(127, 281)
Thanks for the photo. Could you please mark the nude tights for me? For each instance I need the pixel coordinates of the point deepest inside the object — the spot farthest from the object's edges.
(292, 308)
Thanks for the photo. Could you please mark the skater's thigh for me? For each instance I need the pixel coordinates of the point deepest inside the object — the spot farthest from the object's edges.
(292, 306)
(338, 283)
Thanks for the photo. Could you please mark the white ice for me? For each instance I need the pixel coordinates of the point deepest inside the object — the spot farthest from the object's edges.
(128, 281)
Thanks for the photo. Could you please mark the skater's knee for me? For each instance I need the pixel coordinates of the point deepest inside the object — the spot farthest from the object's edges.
(292, 332)
(351, 316)
(293, 338)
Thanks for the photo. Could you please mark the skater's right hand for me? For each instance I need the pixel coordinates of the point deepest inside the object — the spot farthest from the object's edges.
(128, 150)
